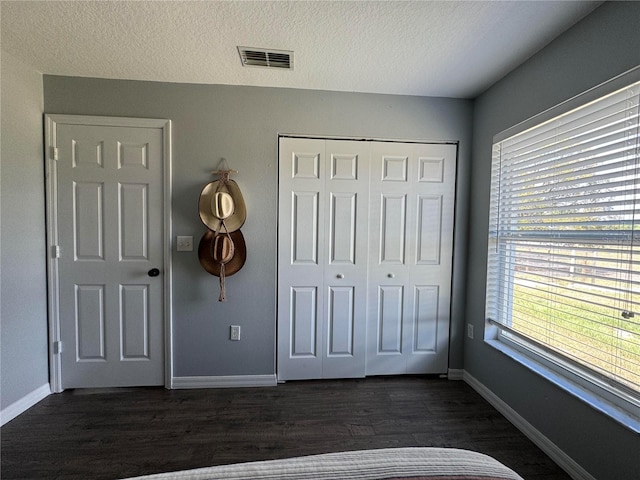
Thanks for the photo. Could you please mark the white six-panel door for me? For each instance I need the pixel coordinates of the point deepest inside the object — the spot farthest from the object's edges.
(322, 245)
(412, 194)
(108, 236)
(365, 236)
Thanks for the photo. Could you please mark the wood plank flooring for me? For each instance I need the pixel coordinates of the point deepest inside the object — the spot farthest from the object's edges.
(112, 434)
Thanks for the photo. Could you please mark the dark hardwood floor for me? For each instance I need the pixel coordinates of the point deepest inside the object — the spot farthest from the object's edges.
(112, 434)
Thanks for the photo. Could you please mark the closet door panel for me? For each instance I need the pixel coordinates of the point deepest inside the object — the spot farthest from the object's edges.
(425, 318)
(306, 164)
(342, 243)
(389, 233)
(341, 322)
(429, 229)
(303, 322)
(322, 248)
(346, 246)
(300, 259)
(389, 328)
(411, 240)
(304, 228)
(431, 257)
(393, 228)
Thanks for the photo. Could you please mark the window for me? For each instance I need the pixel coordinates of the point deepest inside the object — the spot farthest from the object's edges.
(563, 282)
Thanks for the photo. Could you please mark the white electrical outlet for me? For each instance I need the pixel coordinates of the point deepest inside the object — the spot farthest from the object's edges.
(184, 243)
(234, 332)
(470, 331)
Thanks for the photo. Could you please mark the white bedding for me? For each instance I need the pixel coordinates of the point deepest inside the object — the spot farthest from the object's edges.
(383, 464)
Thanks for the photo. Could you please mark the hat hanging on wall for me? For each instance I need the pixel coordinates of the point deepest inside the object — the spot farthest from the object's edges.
(206, 252)
(222, 250)
(222, 255)
(222, 205)
(212, 205)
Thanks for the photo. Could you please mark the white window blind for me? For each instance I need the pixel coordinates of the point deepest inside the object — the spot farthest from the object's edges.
(564, 242)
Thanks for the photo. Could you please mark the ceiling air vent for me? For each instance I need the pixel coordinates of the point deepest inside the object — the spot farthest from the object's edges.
(260, 57)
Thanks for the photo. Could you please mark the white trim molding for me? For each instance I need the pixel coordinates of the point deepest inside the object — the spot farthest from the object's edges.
(168, 249)
(573, 469)
(455, 374)
(25, 403)
(230, 381)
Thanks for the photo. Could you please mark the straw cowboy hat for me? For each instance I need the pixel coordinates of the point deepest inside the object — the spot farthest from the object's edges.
(221, 200)
(222, 205)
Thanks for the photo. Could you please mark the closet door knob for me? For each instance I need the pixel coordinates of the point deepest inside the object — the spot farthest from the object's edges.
(390, 275)
(340, 275)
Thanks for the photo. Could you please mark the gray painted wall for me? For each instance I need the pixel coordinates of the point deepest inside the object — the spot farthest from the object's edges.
(603, 45)
(242, 125)
(23, 314)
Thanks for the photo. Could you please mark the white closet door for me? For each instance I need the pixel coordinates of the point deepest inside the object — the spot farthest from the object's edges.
(345, 240)
(322, 258)
(412, 195)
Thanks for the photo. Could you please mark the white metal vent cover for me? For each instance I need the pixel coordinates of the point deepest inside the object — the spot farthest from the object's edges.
(261, 57)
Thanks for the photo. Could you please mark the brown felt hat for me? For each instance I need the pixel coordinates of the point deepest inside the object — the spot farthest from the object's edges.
(222, 200)
(222, 248)
(214, 250)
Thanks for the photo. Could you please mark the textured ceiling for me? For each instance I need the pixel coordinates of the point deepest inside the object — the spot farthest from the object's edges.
(450, 49)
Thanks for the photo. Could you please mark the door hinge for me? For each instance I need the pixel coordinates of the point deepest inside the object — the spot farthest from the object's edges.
(54, 153)
(56, 251)
(57, 347)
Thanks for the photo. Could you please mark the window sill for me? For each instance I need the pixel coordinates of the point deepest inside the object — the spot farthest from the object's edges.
(603, 406)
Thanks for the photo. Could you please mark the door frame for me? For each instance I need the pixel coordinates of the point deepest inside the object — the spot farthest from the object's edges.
(51, 183)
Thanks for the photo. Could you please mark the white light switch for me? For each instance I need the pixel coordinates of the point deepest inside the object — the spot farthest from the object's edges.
(184, 243)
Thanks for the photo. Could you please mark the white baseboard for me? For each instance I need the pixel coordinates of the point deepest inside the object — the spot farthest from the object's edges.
(25, 403)
(565, 462)
(455, 374)
(231, 381)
